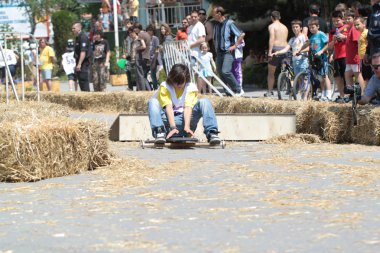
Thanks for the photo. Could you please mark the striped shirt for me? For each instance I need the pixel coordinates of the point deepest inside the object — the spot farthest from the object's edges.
(224, 35)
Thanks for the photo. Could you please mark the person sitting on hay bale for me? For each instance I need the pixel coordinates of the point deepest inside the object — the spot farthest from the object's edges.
(175, 109)
(373, 86)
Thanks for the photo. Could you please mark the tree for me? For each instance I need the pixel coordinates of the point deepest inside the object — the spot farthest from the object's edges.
(38, 10)
(62, 21)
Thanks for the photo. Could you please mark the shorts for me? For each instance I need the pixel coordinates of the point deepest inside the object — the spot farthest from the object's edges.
(12, 69)
(324, 71)
(46, 74)
(339, 67)
(353, 67)
(366, 71)
(300, 65)
(277, 59)
(71, 77)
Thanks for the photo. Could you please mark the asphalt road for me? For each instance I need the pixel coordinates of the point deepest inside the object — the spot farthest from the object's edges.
(249, 197)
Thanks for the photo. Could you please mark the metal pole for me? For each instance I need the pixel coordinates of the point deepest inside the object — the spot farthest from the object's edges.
(22, 71)
(116, 28)
(37, 71)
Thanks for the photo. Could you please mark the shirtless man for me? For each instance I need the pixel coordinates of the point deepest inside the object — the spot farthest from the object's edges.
(278, 39)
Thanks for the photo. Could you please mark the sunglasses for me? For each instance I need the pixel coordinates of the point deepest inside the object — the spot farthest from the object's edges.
(375, 67)
(202, 13)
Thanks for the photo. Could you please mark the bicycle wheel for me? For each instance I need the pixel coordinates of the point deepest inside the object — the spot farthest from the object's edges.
(283, 86)
(332, 80)
(302, 87)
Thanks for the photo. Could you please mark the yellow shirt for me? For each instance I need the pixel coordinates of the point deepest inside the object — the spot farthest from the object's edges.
(134, 8)
(45, 59)
(164, 97)
(362, 43)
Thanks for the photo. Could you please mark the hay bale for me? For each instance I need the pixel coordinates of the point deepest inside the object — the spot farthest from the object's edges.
(332, 122)
(368, 129)
(31, 110)
(46, 149)
(124, 101)
(37, 141)
(295, 139)
(337, 121)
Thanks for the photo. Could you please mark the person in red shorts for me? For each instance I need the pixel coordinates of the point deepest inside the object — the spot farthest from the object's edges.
(352, 53)
(337, 41)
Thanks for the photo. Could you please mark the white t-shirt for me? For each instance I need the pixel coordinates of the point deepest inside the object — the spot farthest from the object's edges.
(10, 57)
(206, 60)
(68, 62)
(296, 43)
(194, 32)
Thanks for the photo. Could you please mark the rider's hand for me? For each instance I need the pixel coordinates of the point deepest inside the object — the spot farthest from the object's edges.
(189, 132)
(366, 59)
(318, 53)
(172, 132)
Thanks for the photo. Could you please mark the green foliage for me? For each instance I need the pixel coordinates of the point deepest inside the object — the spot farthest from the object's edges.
(41, 8)
(114, 69)
(256, 75)
(62, 21)
(161, 76)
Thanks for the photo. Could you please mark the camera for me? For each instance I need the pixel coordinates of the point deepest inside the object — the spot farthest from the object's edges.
(354, 89)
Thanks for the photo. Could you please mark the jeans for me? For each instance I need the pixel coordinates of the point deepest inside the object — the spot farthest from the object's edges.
(203, 108)
(142, 69)
(300, 65)
(224, 61)
(83, 76)
(153, 75)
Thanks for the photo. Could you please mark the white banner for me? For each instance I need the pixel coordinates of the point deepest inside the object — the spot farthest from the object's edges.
(15, 16)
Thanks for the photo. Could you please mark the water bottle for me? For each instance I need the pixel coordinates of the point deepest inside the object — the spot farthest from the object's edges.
(337, 33)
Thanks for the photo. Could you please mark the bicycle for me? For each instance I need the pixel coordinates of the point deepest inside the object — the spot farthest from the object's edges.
(284, 80)
(307, 82)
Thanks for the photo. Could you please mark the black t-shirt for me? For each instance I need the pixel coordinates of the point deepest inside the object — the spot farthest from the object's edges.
(82, 43)
(100, 49)
(322, 25)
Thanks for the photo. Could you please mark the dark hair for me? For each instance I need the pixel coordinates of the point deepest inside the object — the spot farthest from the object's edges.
(349, 13)
(99, 32)
(275, 15)
(365, 10)
(314, 9)
(138, 26)
(313, 21)
(337, 14)
(296, 22)
(178, 74)
(220, 9)
(194, 11)
(150, 28)
(130, 30)
(375, 55)
(202, 10)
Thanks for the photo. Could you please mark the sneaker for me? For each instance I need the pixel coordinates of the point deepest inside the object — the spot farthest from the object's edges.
(241, 92)
(339, 100)
(324, 99)
(347, 99)
(213, 138)
(160, 138)
(269, 94)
